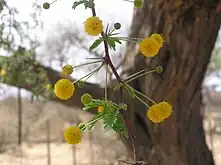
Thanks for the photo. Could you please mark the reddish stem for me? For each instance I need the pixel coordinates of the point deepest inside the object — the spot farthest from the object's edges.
(107, 55)
(109, 62)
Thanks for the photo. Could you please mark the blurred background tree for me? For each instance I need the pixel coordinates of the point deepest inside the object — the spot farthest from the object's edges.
(215, 62)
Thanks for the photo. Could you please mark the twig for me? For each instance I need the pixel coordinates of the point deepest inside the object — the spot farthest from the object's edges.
(109, 62)
(48, 134)
(132, 162)
(106, 79)
(107, 56)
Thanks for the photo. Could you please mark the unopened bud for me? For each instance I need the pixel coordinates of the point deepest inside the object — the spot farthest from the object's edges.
(46, 5)
(159, 69)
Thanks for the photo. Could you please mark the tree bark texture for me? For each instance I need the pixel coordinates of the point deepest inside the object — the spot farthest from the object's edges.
(190, 29)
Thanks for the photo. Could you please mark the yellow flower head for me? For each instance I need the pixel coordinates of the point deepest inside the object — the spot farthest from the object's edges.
(149, 47)
(158, 38)
(153, 113)
(73, 135)
(166, 109)
(64, 89)
(3, 72)
(67, 70)
(93, 26)
(48, 86)
(159, 112)
(100, 109)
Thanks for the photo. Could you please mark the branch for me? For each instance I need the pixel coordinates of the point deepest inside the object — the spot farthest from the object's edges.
(54, 76)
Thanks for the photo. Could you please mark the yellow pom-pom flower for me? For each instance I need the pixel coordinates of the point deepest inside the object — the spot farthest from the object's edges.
(159, 112)
(165, 109)
(153, 113)
(67, 70)
(158, 38)
(149, 47)
(100, 109)
(73, 135)
(3, 72)
(64, 89)
(93, 26)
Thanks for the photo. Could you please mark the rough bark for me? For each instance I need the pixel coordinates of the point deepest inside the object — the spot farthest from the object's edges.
(190, 30)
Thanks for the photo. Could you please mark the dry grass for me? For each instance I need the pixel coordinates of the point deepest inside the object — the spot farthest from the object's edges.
(61, 154)
(98, 147)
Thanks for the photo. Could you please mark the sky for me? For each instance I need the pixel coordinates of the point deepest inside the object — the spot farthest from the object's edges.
(110, 11)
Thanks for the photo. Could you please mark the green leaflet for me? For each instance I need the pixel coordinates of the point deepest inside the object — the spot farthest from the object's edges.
(95, 44)
(87, 4)
(111, 116)
(112, 42)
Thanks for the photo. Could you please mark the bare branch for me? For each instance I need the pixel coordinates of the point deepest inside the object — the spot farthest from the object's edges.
(54, 76)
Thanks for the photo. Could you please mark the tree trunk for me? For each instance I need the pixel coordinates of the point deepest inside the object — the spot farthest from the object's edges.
(190, 29)
(19, 117)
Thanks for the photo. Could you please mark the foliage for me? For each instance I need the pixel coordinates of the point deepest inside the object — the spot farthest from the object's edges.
(215, 62)
(11, 28)
(21, 70)
(19, 67)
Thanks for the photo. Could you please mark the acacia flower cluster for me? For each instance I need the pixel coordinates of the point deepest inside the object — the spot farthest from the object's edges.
(64, 89)
(159, 112)
(73, 135)
(3, 72)
(100, 109)
(107, 110)
(151, 46)
(93, 26)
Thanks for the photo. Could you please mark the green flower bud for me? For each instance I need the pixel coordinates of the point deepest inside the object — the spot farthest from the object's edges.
(159, 69)
(67, 70)
(86, 98)
(80, 84)
(123, 106)
(117, 26)
(138, 3)
(46, 5)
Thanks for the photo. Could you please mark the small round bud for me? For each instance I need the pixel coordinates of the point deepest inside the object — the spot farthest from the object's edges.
(80, 84)
(81, 126)
(117, 26)
(138, 3)
(67, 70)
(123, 106)
(46, 5)
(86, 98)
(159, 69)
